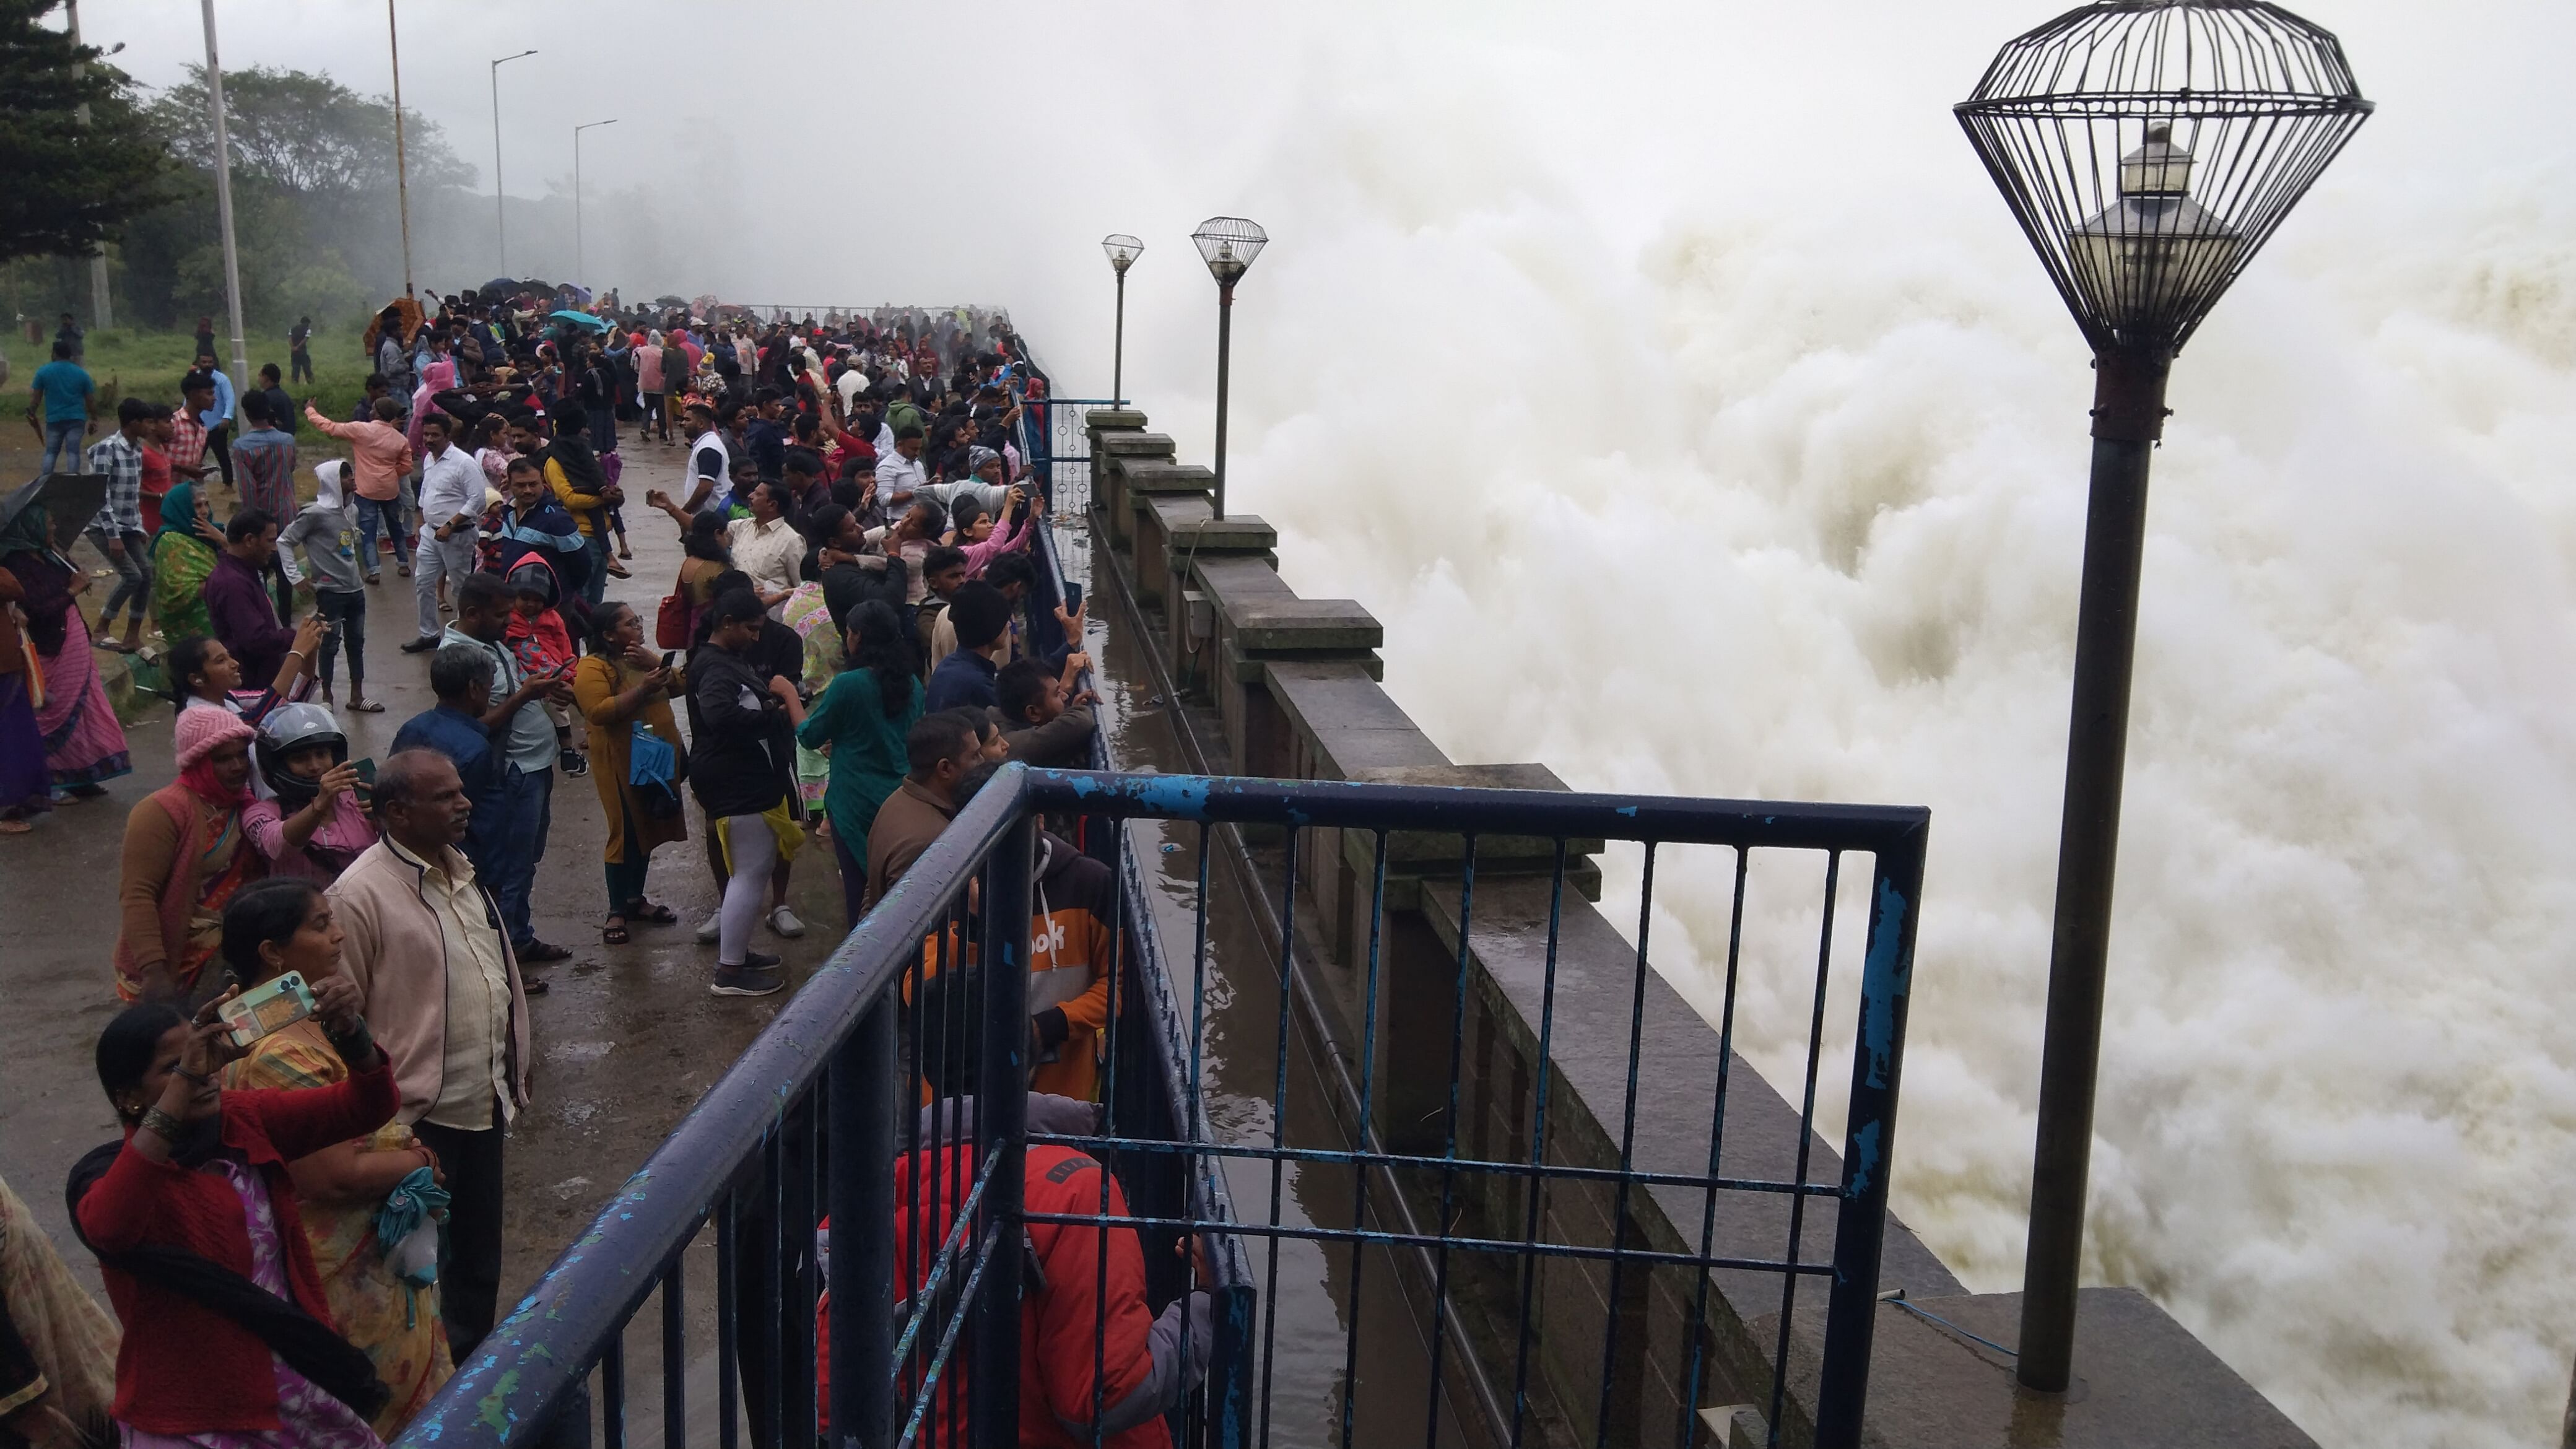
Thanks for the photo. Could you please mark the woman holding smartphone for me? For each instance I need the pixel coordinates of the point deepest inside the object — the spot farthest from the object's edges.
(617, 686)
(195, 1221)
(284, 925)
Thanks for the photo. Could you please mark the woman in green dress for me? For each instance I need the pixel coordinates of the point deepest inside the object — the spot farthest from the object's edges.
(183, 557)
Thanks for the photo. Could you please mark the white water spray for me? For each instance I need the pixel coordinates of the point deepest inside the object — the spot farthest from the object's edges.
(1770, 482)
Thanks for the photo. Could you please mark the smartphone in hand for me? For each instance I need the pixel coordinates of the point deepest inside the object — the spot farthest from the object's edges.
(267, 1008)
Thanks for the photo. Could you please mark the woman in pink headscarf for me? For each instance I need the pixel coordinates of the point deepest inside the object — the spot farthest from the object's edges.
(436, 378)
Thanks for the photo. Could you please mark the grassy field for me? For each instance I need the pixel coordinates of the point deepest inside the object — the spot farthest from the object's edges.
(133, 363)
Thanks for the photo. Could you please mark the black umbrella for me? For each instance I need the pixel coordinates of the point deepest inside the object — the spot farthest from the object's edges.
(502, 285)
(71, 500)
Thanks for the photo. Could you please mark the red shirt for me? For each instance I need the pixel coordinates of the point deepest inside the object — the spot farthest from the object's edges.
(156, 481)
(227, 1382)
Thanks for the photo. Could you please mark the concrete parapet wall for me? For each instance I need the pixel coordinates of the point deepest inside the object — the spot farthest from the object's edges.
(1296, 685)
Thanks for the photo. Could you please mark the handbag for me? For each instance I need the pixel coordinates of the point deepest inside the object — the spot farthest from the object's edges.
(671, 622)
(653, 769)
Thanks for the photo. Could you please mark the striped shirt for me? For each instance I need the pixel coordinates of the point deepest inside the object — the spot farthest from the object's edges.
(264, 466)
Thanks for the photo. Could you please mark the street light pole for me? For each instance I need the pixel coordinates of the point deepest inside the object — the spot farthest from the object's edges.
(102, 308)
(1228, 244)
(402, 173)
(224, 203)
(580, 267)
(1123, 251)
(500, 199)
(2107, 129)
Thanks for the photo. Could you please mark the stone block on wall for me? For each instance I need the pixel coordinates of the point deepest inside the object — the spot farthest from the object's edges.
(1109, 460)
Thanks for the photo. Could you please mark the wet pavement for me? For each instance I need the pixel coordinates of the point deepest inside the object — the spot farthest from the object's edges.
(626, 1039)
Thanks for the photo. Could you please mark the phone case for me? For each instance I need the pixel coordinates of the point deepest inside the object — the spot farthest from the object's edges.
(264, 1009)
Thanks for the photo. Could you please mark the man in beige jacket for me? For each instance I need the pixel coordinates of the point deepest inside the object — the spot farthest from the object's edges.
(443, 995)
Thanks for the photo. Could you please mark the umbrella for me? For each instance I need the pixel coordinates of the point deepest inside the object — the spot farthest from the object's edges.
(502, 285)
(599, 324)
(667, 300)
(71, 500)
(579, 293)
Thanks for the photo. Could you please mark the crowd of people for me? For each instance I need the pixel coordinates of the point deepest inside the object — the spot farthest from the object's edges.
(845, 654)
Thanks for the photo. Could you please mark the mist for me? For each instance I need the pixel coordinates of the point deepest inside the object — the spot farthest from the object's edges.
(1673, 384)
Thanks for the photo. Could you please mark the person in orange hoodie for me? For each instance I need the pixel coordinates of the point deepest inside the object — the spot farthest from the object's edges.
(1083, 1304)
(1072, 949)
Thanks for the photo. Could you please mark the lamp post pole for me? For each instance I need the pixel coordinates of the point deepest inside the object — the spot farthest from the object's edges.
(1224, 358)
(1122, 250)
(2128, 419)
(580, 266)
(2094, 126)
(402, 170)
(500, 199)
(224, 203)
(102, 308)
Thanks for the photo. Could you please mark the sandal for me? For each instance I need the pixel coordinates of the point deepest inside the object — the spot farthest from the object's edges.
(618, 570)
(541, 952)
(651, 913)
(615, 934)
(367, 706)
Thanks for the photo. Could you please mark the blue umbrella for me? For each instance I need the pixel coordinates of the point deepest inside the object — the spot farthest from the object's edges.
(596, 324)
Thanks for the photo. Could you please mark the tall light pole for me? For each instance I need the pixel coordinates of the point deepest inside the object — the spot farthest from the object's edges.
(224, 203)
(402, 173)
(580, 267)
(1228, 243)
(500, 201)
(2148, 149)
(1123, 251)
(102, 308)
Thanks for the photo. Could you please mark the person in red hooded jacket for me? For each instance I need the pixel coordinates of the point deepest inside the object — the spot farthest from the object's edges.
(1076, 1311)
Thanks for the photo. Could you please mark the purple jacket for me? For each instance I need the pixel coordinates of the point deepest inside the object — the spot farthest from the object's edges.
(246, 620)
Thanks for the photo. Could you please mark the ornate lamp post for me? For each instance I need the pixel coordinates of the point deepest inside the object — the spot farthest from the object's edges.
(2148, 148)
(1229, 243)
(1123, 251)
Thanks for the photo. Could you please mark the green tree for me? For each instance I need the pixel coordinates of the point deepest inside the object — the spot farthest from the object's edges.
(305, 133)
(66, 187)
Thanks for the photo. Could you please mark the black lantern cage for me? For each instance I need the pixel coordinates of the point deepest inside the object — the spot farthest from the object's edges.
(1228, 244)
(2150, 147)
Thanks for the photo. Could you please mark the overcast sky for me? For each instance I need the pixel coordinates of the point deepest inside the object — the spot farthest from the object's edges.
(797, 151)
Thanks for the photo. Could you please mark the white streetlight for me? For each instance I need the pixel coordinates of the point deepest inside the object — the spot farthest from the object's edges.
(581, 268)
(500, 203)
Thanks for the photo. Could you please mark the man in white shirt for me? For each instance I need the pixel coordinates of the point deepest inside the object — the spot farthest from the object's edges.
(710, 464)
(451, 499)
(899, 472)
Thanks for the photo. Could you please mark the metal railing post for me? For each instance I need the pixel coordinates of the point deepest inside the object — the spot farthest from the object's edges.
(1001, 1112)
(862, 1202)
(1869, 1137)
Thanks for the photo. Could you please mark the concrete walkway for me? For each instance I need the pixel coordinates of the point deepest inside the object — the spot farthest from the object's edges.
(626, 1041)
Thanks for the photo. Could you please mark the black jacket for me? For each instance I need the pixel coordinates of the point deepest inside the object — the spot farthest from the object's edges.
(738, 736)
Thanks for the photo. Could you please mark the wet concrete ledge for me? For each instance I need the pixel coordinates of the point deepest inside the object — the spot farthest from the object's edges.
(1294, 686)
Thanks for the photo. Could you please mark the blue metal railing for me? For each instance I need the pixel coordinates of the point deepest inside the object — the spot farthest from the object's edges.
(839, 1043)
(831, 1082)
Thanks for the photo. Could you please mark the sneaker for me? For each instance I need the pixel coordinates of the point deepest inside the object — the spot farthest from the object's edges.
(709, 929)
(747, 981)
(571, 762)
(784, 922)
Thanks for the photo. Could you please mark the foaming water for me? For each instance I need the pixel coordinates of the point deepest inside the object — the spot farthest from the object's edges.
(1771, 484)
